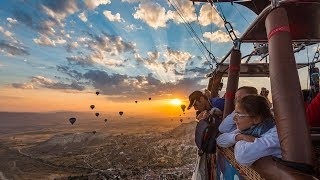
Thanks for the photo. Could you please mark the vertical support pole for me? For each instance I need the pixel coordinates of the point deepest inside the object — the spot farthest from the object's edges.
(233, 81)
(286, 91)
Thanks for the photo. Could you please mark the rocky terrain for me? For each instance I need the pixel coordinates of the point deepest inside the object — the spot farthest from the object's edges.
(169, 154)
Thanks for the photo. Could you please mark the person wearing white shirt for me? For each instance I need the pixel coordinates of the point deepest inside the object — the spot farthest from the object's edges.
(228, 125)
(256, 134)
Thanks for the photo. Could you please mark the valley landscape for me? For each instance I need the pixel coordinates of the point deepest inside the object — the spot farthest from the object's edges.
(47, 146)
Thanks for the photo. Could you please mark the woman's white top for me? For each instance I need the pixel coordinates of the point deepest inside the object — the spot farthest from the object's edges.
(228, 125)
(246, 153)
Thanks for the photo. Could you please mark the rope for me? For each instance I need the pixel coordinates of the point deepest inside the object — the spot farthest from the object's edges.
(227, 24)
(186, 23)
(191, 32)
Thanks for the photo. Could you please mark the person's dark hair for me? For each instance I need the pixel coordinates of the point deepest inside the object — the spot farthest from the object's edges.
(249, 89)
(256, 105)
(306, 95)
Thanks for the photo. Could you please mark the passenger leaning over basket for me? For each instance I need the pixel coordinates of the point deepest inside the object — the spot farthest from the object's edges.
(256, 134)
(228, 125)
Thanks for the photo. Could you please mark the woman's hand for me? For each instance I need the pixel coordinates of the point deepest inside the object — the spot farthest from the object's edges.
(243, 137)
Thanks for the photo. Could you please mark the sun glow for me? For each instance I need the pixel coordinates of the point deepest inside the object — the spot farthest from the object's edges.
(175, 102)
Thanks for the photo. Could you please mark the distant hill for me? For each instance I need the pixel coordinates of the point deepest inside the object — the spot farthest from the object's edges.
(151, 155)
(21, 122)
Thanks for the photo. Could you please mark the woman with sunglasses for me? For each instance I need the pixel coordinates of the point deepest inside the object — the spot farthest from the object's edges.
(256, 134)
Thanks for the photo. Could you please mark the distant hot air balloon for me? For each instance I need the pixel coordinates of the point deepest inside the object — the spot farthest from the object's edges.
(136, 101)
(183, 107)
(120, 113)
(92, 106)
(181, 120)
(97, 93)
(97, 114)
(149, 98)
(94, 132)
(72, 120)
(105, 120)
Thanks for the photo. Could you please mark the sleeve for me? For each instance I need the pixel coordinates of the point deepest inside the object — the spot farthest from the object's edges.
(228, 125)
(226, 140)
(246, 153)
(313, 112)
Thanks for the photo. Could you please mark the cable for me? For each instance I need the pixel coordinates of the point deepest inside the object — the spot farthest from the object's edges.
(192, 30)
(188, 25)
(241, 14)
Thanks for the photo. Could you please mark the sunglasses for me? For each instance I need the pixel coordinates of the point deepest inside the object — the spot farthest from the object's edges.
(239, 115)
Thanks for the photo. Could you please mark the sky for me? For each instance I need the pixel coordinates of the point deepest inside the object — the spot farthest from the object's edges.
(54, 55)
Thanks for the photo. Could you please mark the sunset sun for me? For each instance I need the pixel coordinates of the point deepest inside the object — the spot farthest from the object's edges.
(175, 102)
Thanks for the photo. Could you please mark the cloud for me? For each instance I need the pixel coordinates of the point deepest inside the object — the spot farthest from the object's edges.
(83, 17)
(177, 57)
(22, 85)
(172, 59)
(12, 48)
(208, 16)
(186, 9)
(108, 84)
(81, 60)
(50, 84)
(218, 36)
(200, 71)
(6, 33)
(95, 59)
(40, 81)
(152, 14)
(92, 4)
(60, 9)
(132, 27)
(72, 73)
(135, 1)
(104, 46)
(45, 27)
(111, 17)
(138, 87)
(11, 20)
(44, 40)
(151, 59)
(72, 46)
(59, 40)
(178, 73)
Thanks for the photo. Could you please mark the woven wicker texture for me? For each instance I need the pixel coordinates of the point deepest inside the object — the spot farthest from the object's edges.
(245, 172)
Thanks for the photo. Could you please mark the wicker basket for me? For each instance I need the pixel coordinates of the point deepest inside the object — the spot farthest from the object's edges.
(245, 172)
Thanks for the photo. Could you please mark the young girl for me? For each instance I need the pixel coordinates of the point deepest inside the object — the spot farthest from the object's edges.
(256, 134)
